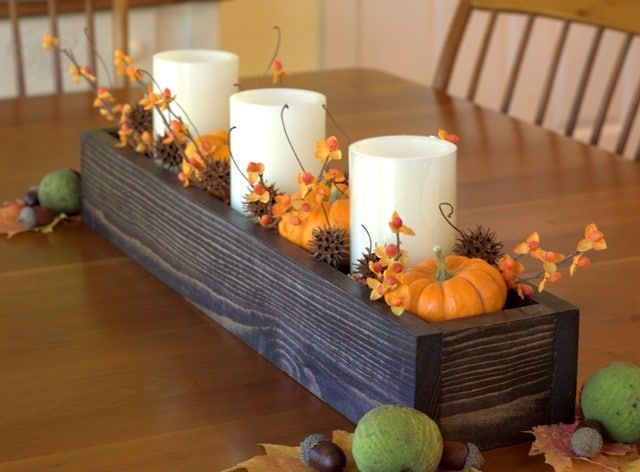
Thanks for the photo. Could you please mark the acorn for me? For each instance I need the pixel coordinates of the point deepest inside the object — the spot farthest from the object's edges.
(322, 455)
(30, 198)
(44, 216)
(35, 216)
(460, 456)
(586, 440)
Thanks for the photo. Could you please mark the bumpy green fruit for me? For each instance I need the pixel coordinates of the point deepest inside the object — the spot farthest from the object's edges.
(396, 438)
(612, 397)
(59, 191)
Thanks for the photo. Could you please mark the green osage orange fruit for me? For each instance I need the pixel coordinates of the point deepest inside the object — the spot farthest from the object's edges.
(59, 191)
(394, 438)
(612, 397)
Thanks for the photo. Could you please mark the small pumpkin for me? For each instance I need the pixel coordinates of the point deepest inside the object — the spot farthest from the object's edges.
(301, 234)
(213, 145)
(454, 287)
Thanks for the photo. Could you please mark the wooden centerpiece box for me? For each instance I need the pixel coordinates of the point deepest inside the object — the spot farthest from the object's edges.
(485, 379)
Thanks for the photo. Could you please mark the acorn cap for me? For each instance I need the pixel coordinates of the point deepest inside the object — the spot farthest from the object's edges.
(586, 440)
(309, 443)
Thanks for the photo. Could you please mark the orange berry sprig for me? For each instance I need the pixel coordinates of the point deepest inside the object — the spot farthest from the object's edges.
(512, 269)
(389, 269)
(275, 64)
(452, 138)
(314, 191)
(175, 129)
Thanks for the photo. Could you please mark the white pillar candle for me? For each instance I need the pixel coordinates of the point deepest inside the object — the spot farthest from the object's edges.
(202, 81)
(258, 136)
(408, 174)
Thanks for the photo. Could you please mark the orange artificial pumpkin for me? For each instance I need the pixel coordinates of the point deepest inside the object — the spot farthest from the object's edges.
(301, 234)
(213, 146)
(454, 287)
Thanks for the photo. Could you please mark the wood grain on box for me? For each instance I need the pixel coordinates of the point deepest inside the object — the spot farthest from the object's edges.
(486, 379)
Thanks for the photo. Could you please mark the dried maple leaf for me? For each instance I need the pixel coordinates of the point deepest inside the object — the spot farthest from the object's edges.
(345, 441)
(287, 458)
(631, 466)
(276, 458)
(9, 213)
(555, 443)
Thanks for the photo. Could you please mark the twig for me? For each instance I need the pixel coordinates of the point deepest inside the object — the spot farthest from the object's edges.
(275, 53)
(95, 53)
(333, 120)
(233, 159)
(285, 107)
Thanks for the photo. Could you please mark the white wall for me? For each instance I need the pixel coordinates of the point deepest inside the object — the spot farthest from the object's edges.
(405, 37)
(151, 29)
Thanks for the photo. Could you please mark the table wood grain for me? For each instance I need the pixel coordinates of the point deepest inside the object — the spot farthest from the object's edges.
(104, 368)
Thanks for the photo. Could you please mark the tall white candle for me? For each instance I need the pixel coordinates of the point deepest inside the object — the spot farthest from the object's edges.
(410, 174)
(202, 81)
(258, 136)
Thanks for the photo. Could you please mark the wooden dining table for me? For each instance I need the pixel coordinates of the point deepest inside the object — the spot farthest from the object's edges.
(103, 367)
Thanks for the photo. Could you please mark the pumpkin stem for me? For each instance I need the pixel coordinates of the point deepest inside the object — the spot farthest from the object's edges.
(443, 274)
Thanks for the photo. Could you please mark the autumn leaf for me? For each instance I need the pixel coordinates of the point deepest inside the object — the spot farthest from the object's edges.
(276, 458)
(555, 443)
(287, 458)
(631, 466)
(345, 441)
(9, 213)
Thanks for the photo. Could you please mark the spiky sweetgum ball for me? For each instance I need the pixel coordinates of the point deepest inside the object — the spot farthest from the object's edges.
(59, 191)
(394, 438)
(611, 396)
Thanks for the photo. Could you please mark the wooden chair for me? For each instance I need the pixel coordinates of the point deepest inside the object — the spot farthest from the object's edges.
(622, 15)
(120, 37)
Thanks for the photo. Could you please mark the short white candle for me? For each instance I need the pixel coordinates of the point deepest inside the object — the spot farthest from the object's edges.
(258, 136)
(410, 174)
(202, 81)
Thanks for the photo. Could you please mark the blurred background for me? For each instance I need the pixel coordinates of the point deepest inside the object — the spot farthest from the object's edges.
(402, 37)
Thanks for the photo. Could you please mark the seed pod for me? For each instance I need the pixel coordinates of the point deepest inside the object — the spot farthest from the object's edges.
(321, 455)
(586, 440)
(459, 456)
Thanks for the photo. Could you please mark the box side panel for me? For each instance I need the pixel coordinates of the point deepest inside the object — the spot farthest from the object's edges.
(429, 379)
(328, 340)
(496, 381)
(565, 367)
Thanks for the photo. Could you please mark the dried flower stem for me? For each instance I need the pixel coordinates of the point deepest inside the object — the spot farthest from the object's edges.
(92, 46)
(447, 218)
(284, 127)
(563, 262)
(234, 161)
(275, 53)
(333, 120)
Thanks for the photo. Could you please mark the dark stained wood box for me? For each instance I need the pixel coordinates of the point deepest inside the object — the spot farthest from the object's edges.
(485, 379)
